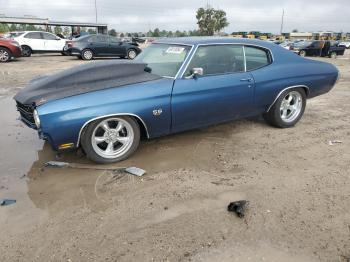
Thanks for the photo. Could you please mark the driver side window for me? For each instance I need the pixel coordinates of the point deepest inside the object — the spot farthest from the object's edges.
(217, 59)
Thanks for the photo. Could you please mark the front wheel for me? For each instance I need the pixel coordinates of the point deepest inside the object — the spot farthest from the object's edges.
(5, 54)
(302, 53)
(288, 108)
(333, 55)
(26, 51)
(111, 139)
(131, 53)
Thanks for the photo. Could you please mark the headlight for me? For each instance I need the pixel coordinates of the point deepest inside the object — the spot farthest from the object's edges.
(36, 118)
(15, 43)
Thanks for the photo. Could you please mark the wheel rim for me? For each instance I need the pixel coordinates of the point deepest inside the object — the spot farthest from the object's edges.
(291, 106)
(302, 53)
(112, 138)
(4, 56)
(25, 51)
(87, 54)
(132, 54)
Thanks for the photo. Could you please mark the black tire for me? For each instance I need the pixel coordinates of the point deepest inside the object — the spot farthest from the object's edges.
(88, 147)
(87, 54)
(302, 53)
(5, 55)
(131, 53)
(26, 51)
(333, 55)
(273, 116)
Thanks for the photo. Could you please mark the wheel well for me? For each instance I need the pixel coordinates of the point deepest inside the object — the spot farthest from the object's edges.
(305, 88)
(143, 129)
(27, 46)
(4, 47)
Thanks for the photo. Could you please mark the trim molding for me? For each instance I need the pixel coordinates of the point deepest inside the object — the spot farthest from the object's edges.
(290, 87)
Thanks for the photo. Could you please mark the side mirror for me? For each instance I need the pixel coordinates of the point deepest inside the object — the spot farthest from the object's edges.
(195, 72)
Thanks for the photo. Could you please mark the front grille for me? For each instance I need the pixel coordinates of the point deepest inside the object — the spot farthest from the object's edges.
(26, 112)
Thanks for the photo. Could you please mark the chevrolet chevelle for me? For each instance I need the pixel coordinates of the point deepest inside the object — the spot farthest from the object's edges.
(172, 86)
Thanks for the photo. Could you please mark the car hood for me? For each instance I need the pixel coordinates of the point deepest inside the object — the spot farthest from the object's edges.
(83, 79)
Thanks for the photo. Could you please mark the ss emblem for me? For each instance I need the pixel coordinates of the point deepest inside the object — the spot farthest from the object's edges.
(157, 112)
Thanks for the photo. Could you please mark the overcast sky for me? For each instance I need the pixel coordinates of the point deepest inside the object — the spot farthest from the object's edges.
(243, 15)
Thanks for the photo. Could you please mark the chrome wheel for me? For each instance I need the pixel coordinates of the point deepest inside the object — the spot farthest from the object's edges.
(112, 138)
(302, 53)
(4, 56)
(291, 106)
(132, 54)
(87, 55)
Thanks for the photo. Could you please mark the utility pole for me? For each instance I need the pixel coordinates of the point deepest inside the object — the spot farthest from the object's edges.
(96, 11)
(282, 22)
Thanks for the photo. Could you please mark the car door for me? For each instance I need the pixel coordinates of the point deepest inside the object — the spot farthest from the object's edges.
(99, 45)
(117, 48)
(34, 40)
(225, 91)
(52, 42)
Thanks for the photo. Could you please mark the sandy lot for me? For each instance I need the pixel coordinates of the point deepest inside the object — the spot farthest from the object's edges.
(297, 184)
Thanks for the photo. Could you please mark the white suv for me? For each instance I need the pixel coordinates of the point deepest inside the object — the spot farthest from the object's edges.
(39, 42)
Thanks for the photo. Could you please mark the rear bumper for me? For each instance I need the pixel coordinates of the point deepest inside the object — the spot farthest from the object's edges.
(73, 51)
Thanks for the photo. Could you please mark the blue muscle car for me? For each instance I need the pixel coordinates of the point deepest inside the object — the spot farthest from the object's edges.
(172, 86)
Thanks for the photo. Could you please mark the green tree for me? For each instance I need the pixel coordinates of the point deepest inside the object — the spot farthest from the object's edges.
(13, 27)
(58, 30)
(4, 28)
(122, 35)
(210, 20)
(91, 31)
(295, 31)
(156, 32)
(112, 32)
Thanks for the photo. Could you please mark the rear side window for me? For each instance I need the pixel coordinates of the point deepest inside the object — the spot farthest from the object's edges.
(256, 57)
(33, 35)
(99, 39)
(218, 59)
(49, 36)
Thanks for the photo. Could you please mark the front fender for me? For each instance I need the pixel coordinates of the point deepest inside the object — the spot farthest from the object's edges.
(62, 120)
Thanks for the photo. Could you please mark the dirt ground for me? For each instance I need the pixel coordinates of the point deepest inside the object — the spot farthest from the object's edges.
(297, 184)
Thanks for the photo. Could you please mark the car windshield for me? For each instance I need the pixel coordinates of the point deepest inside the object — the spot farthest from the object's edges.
(302, 43)
(164, 59)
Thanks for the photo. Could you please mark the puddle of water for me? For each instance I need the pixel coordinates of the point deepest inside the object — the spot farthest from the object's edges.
(46, 191)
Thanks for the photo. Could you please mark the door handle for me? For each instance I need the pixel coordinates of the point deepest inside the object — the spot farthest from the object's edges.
(246, 80)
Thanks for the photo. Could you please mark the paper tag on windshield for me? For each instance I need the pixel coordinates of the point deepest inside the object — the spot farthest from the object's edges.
(175, 50)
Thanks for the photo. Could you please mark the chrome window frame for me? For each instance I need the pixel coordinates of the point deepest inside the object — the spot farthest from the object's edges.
(183, 63)
(245, 61)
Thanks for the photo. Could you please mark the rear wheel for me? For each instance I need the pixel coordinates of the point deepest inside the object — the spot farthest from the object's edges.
(26, 51)
(333, 55)
(111, 139)
(131, 53)
(302, 53)
(5, 54)
(87, 54)
(288, 108)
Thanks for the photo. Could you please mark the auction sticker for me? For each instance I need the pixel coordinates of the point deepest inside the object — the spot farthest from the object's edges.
(175, 50)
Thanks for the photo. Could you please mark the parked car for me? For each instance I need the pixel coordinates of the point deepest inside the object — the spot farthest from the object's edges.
(9, 49)
(38, 42)
(345, 44)
(172, 86)
(319, 48)
(91, 46)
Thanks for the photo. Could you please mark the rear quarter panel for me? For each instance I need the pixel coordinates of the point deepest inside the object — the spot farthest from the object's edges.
(289, 69)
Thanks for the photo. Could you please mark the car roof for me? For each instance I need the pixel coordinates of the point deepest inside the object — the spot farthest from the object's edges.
(213, 40)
